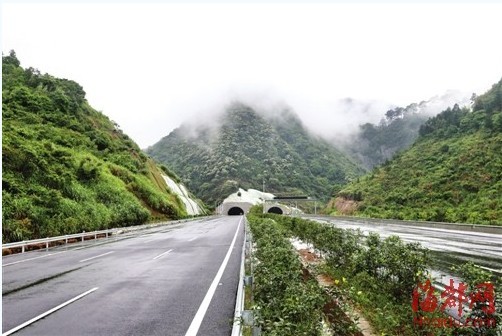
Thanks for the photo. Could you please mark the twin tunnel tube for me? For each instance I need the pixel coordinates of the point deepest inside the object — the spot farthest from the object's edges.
(236, 211)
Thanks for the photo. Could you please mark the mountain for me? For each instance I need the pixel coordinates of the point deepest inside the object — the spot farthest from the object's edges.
(66, 167)
(245, 148)
(376, 143)
(453, 172)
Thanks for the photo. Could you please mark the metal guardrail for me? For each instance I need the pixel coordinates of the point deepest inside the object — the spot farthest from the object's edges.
(23, 244)
(239, 302)
(243, 317)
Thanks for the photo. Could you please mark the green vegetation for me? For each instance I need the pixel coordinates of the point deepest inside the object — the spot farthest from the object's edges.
(476, 279)
(378, 276)
(66, 167)
(247, 149)
(452, 173)
(285, 302)
(375, 144)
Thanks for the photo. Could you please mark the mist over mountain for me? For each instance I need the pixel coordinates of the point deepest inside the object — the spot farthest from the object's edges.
(370, 131)
(213, 155)
(453, 172)
(247, 147)
(374, 143)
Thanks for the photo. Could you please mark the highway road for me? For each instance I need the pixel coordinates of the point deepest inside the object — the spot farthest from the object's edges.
(448, 247)
(169, 280)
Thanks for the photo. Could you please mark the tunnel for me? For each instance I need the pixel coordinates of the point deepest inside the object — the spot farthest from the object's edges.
(275, 210)
(236, 211)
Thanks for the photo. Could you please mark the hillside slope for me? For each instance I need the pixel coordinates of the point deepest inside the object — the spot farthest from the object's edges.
(452, 173)
(398, 130)
(68, 168)
(246, 149)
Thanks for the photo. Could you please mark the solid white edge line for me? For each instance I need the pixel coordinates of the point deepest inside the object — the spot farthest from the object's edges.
(239, 301)
(27, 323)
(45, 255)
(201, 312)
(162, 254)
(101, 255)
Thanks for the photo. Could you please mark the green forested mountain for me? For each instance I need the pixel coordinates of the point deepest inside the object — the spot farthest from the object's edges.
(66, 167)
(375, 144)
(245, 148)
(398, 130)
(452, 173)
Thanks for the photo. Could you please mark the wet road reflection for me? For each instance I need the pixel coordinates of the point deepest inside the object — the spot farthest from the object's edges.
(448, 247)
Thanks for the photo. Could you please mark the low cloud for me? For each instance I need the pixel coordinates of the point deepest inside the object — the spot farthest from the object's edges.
(336, 120)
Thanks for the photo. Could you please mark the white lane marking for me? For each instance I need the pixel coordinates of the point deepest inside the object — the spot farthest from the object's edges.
(41, 316)
(29, 259)
(45, 255)
(98, 256)
(201, 312)
(192, 239)
(80, 248)
(162, 254)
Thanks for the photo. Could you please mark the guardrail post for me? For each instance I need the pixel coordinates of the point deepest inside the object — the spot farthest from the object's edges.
(106, 233)
(66, 239)
(47, 244)
(83, 232)
(95, 235)
(22, 247)
(247, 317)
(248, 280)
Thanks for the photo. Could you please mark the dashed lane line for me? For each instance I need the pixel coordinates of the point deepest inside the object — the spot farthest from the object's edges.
(98, 256)
(162, 254)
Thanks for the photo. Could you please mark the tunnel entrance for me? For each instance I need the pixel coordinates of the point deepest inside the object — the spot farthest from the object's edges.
(235, 211)
(275, 210)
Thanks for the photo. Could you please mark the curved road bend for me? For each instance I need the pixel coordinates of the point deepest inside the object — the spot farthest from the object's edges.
(157, 282)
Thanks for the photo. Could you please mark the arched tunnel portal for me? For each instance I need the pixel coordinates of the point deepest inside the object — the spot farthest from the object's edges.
(235, 211)
(275, 210)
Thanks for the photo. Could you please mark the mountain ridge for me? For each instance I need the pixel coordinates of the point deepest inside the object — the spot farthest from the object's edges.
(244, 148)
(375, 143)
(453, 172)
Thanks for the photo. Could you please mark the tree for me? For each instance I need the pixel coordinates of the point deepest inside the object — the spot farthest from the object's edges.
(11, 59)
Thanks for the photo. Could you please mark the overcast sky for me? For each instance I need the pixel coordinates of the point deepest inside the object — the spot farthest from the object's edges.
(149, 67)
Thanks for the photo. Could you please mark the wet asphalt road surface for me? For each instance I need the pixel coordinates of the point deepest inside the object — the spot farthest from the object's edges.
(448, 247)
(151, 282)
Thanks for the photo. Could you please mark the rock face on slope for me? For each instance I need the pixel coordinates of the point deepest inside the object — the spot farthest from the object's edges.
(191, 204)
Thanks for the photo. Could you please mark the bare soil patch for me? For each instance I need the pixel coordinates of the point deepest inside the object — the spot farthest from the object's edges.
(332, 310)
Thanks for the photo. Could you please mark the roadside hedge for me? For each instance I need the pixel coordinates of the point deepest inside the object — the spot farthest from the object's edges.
(286, 301)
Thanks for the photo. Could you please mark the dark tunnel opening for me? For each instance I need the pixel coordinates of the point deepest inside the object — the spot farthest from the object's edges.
(235, 211)
(275, 210)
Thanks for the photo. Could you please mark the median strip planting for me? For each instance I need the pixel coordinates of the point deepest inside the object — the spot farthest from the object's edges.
(365, 276)
(285, 301)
